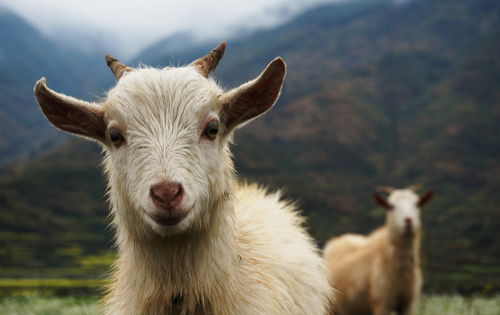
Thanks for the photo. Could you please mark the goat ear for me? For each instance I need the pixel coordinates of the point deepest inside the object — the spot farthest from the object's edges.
(381, 201)
(255, 97)
(426, 197)
(69, 114)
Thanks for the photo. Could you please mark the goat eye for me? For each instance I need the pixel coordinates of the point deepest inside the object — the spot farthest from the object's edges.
(211, 130)
(116, 137)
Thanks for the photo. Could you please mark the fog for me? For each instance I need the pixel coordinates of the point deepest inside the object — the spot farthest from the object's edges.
(129, 26)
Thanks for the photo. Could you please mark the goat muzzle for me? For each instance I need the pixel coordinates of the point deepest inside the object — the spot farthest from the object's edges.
(167, 199)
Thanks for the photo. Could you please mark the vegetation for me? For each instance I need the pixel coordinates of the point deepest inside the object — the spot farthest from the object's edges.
(429, 305)
(458, 305)
(48, 305)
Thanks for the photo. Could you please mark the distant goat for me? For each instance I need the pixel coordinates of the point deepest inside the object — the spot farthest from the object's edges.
(190, 239)
(380, 273)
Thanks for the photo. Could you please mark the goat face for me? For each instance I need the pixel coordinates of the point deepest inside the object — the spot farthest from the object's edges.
(171, 153)
(404, 209)
(405, 214)
(165, 133)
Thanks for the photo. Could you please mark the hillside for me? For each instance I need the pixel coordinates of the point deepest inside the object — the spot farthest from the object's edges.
(376, 93)
(25, 57)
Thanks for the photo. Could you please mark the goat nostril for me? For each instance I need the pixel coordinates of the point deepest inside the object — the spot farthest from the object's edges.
(166, 194)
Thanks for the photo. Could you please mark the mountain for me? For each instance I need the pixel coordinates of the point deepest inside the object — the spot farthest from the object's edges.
(171, 44)
(25, 57)
(376, 93)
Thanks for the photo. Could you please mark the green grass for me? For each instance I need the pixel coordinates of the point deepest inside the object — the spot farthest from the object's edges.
(48, 305)
(458, 305)
(51, 305)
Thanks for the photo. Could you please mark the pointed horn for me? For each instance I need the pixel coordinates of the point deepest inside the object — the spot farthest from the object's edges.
(415, 187)
(385, 189)
(208, 63)
(117, 67)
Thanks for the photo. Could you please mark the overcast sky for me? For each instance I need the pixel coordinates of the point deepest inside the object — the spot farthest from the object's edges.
(136, 24)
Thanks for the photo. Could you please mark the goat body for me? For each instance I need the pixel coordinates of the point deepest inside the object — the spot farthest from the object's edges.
(380, 273)
(190, 239)
(375, 275)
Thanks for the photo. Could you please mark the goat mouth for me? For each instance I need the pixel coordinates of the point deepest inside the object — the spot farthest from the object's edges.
(168, 218)
(408, 230)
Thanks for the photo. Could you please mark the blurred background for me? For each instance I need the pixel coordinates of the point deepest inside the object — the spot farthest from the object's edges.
(378, 92)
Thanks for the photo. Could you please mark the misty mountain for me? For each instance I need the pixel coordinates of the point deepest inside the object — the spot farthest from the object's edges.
(375, 94)
(25, 57)
(171, 44)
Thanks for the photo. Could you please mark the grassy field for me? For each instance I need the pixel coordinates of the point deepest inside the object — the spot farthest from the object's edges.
(430, 305)
(458, 305)
(48, 305)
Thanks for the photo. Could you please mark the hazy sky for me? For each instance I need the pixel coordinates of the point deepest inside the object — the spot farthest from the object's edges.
(135, 24)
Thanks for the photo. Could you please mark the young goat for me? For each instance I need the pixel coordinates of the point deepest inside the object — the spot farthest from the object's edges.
(190, 239)
(380, 273)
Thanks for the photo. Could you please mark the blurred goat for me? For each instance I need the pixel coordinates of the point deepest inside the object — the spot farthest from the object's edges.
(190, 239)
(380, 273)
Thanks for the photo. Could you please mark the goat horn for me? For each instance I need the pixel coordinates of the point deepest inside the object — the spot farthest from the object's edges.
(208, 63)
(117, 67)
(415, 188)
(385, 189)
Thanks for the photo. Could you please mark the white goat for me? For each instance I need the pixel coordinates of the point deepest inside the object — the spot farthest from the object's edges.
(190, 239)
(380, 273)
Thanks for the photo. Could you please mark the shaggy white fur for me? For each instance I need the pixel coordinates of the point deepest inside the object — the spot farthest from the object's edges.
(235, 249)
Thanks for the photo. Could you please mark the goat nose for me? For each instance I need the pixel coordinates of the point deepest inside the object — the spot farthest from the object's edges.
(408, 222)
(167, 195)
